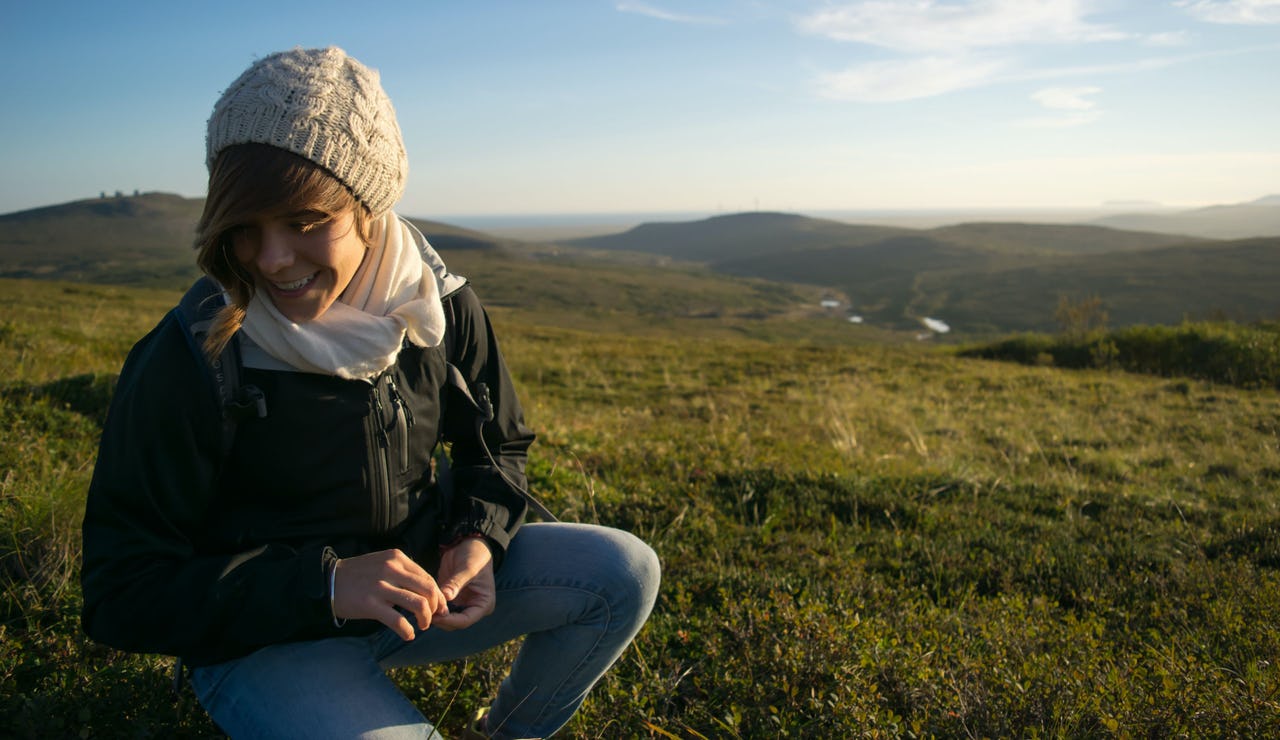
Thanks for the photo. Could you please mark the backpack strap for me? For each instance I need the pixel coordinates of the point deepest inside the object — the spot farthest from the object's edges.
(195, 314)
(479, 402)
(483, 407)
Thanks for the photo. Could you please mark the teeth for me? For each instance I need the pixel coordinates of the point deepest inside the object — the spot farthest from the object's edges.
(295, 284)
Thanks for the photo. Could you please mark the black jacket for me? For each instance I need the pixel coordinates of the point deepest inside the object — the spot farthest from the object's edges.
(190, 554)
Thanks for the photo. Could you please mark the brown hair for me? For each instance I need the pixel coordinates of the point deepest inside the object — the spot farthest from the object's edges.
(248, 182)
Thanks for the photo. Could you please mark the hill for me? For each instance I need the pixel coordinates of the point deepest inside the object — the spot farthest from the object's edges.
(1052, 239)
(1260, 217)
(978, 277)
(139, 240)
(898, 281)
(568, 290)
(143, 239)
(1235, 280)
(738, 236)
(726, 239)
(877, 278)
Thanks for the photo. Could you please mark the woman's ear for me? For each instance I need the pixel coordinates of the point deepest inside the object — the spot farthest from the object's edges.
(370, 227)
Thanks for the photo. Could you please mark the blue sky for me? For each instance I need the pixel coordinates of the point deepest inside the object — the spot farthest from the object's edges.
(593, 106)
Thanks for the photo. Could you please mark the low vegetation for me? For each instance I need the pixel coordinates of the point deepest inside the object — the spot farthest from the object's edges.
(858, 540)
(1247, 356)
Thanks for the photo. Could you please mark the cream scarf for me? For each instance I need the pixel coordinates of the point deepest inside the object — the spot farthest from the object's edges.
(393, 295)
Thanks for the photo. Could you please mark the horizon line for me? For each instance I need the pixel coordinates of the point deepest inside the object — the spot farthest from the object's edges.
(1115, 206)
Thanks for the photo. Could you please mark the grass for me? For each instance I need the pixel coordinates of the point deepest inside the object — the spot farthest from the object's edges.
(858, 540)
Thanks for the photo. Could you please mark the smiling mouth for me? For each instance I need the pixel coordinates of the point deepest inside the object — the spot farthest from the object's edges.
(295, 285)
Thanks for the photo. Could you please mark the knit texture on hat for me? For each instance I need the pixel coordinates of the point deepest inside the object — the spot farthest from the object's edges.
(323, 105)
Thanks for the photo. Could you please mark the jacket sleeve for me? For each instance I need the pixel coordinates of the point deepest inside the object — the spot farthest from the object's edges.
(485, 500)
(147, 585)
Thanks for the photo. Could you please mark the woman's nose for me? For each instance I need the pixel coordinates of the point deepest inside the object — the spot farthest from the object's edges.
(274, 251)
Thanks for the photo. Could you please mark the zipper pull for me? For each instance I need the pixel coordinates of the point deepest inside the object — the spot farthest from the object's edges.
(381, 410)
(398, 401)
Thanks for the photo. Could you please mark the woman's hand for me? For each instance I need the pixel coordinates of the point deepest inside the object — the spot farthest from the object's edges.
(466, 580)
(372, 586)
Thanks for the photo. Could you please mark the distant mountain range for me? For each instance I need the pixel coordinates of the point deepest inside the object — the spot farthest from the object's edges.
(1260, 217)
(747, 236)
(981, 277)
(976, 277)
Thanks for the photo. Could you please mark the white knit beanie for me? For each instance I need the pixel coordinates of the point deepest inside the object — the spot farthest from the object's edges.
(323, 105)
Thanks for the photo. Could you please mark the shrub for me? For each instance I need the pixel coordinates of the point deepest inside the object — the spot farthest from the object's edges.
(1234, 354)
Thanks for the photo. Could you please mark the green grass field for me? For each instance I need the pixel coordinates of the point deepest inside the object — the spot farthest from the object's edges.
(859, 539)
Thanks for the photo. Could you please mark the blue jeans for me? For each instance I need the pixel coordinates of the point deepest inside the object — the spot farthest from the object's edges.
(579, 593)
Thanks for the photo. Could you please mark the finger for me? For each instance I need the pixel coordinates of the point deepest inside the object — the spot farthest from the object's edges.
(477, 602)
(452, 587)
(396, 608)
(460, 566)
(390, 565)
(457, 573)
(414, 605)
(457, 620)
(396, 622)
(366, 586)
(425, 605)
(407, 574)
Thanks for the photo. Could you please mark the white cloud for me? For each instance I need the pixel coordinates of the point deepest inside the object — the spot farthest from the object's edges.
(965, 44)
(952, 45)
(929, 26)
(907, 79)
(1242, 12)
(650, 11)
(1074, 100)
(1066, 98)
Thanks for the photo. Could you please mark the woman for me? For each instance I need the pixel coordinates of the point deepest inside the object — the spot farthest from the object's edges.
(292, 569)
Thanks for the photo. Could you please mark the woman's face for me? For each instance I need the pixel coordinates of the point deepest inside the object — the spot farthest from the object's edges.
(302, 261)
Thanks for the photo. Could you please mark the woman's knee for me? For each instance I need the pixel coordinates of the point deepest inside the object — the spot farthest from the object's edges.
(645, 566)
(629, 570)
(612, 562)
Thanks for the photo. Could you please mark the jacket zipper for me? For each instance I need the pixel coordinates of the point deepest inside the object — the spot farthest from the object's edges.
(381, 475)
(403, 421)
